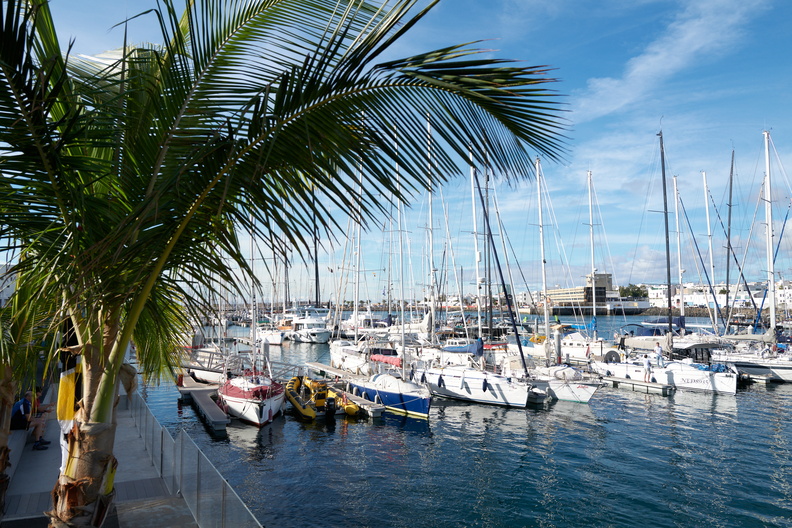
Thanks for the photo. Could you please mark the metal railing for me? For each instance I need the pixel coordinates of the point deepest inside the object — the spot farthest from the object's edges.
(187, 472)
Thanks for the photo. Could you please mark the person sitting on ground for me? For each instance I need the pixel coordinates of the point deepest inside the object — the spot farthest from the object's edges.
(40, 408)
(21, 419)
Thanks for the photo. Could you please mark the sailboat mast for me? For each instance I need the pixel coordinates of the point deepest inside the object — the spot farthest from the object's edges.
(679, 254)
(356, 319)
(476, 249)
(769, 234)
(253, 315)
(491, 243)
(728, 238)
(401, 263)
(545, 306)
(593, 269)
(667, 240)
(711, 255)
(432, 292)
(316, 251)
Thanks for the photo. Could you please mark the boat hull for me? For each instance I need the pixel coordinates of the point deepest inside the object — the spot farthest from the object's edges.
(572, 391)
(678, 375)
(347, 356)
(319, 337)
(252, 401)
(395, 394)
(468, 384)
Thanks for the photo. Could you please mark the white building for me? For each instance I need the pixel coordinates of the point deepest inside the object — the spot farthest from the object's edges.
(7, 285)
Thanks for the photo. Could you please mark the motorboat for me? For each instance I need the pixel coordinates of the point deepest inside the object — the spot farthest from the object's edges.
(270, 334)
(311, 398)
(309, 326)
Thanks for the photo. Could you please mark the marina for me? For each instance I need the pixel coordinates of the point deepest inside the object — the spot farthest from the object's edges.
(713, 460)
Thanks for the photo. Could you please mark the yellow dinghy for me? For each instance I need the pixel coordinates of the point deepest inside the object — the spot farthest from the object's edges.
(312, 398)
(305, 407)
(342, 402)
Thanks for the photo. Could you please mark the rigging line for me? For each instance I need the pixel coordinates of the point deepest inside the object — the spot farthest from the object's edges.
(504, 236)
(520, 270)
(500, 272)
(566, 272)
(644, 211)
(457, 278)
(775, 255)
(700, 256)
(607, 244)
(780, 165)
(730, 247)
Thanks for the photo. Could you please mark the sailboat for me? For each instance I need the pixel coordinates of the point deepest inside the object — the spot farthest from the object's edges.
(565, 382)
(253, 396)
(685, 374)
(760, 356)
(390, 385)
(472, 381)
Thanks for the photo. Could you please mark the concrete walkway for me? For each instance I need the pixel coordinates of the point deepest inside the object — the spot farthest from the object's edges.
(142, 499)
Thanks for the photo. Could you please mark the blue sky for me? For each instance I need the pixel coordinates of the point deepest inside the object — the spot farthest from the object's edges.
(712, 74)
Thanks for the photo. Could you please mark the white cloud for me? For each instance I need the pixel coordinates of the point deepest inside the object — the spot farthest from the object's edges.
(701, 30)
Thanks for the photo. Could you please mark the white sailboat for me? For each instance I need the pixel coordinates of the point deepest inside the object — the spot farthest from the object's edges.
(253, 395)
(685, 374)
(471, 380)
(759, 356)
(390, 386)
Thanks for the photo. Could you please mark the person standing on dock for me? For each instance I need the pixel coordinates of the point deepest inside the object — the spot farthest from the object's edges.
(647, 368)
(659, 355)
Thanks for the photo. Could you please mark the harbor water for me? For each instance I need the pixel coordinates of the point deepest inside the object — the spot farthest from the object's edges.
(626, 459)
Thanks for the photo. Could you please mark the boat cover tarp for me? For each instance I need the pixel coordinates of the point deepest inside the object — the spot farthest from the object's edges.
(390, 360)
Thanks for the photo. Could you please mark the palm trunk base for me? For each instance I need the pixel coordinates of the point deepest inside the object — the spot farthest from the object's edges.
(84, 493)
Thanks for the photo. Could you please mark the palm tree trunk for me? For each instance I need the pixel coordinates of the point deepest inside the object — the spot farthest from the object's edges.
(7, 390)
(84, 492)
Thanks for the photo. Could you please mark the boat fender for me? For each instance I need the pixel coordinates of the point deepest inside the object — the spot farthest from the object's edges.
(440, 382)
(485, 385)
(412, 374)
(423, 377)
(608, 373)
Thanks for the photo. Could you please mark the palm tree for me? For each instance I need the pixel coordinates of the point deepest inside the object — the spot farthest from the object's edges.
(127, 177)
